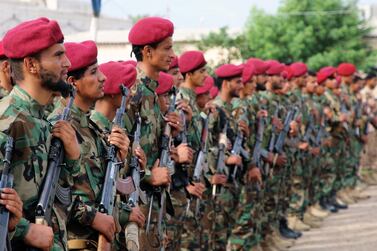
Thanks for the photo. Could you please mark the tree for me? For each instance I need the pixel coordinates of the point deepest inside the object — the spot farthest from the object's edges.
(318, 32)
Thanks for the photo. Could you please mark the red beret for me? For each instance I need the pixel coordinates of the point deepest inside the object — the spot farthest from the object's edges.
(324, 73)
(191, 60)
(259, 65)
(346, 69)
(287, 73)
(214, 91)
(275, 68)
(81, 54)
(299, 69)
(131, 62)
(116, 74)
(150, 30)
(31, 37)
(2, 54)
(165, 83)
(209, 82)
(229, 70)
(174, 63)
(248, 72)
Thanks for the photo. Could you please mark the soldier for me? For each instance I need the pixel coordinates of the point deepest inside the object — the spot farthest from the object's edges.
(174, 71)
(86, 222)
(152, 45)
(39, 68)
(5, 81)
(224, 201)
(104, 112)
(203, 93)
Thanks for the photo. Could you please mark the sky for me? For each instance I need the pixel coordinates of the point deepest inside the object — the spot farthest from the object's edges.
(195, 13)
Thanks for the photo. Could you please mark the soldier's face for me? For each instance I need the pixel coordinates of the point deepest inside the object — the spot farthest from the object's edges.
(90, 85)
(320, 89)
(203, 99)
(249, 88)
(177, 76)
(53, 67)
(161, 56)
(198, 76)
(261, 82)
(164, 102)
(235, 87)
(276, 82)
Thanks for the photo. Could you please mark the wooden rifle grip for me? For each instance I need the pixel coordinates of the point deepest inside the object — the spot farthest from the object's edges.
(103, 244)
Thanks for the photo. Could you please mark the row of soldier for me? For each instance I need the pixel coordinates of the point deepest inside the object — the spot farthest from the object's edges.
(156, 154)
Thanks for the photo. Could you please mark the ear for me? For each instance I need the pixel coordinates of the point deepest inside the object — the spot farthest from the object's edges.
(72, 81)
(147, 51)
(31, 64)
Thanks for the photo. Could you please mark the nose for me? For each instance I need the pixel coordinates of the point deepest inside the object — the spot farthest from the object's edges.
(66, 62)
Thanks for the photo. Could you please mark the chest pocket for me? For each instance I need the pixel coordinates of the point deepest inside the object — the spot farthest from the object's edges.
(93, 167)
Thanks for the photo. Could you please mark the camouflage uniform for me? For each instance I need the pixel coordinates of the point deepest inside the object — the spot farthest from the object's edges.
(219, 217)
(23, 118)
(244, 231)
(181, 228)
(144, 100)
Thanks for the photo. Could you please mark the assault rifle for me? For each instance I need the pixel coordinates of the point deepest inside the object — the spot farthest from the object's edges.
(107, 203)
(6, 181)
(278, 148)
(201, 163)
(132, 229)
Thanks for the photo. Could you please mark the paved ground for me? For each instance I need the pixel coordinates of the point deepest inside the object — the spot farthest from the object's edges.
(354, 229)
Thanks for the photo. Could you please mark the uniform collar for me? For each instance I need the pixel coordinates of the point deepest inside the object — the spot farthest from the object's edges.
(101, 120)
(80, 116)
(27, 102)
(147, 81)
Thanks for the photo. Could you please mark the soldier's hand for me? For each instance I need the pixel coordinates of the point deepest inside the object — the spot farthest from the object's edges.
(304, 146)
(343, 117)
(105, 225)
(12, 201)
(185, 154)
(278, 124)
(141, 157)
(244, 128)
(185, 107)
(327, 142)
(364, 138)
(219, 179)
(234, 160)
(173, 119)
(159, 175)
(64, 131)
(39, 236)
(315, 151)
(281, 160)
(119, 138)
(293, 128)
(254, 175)
(196, 189)
(262, 113)
(328, 113)
(137, 216)
(210, 107)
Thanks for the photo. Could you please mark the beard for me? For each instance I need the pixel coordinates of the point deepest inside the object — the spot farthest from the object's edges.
(261, 86)
(52, 82)
(235, 94)
(277, 86)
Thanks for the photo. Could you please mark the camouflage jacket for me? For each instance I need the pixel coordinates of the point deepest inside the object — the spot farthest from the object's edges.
(23, 118)
(144, 100)
(87, 180)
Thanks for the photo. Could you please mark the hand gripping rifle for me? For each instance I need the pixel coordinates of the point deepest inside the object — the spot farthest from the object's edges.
(257, 151)
(201, 163)
(132, 230)
(165, 161)
(6, 181)
(239, 150)
(51, 187)
(220, 165)
(107, 203)
(278, 148)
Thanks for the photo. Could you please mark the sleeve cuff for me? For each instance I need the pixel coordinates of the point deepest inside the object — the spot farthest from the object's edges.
(21, 230)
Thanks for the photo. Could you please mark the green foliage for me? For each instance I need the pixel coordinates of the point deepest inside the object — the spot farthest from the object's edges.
(318, 32)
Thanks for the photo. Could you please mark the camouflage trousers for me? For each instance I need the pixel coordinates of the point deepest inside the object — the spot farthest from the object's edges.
(244, 233)
(220, 217)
